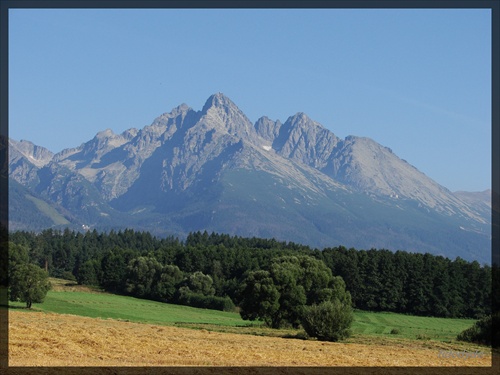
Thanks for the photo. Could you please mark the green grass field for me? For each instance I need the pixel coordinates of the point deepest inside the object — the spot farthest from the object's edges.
(408, 326)
(104, 306)
(110, 306)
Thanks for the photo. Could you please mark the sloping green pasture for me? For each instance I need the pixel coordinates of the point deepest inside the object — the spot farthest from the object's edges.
(110, 306)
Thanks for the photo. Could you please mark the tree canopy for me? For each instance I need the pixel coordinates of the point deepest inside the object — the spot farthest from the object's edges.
(28, 283)
(377, 279)
(279, 295)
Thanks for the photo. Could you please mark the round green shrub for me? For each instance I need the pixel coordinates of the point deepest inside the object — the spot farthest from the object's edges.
(485, 331)
(328, 321)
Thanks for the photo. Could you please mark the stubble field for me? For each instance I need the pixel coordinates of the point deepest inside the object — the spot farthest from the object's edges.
(124, 331)
(47, 339)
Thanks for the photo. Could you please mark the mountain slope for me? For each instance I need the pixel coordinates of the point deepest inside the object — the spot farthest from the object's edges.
(367, 166)
(481, 201)
(214, 170)
(31, 212)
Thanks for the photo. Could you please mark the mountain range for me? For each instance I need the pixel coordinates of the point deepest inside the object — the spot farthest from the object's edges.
(215, 170)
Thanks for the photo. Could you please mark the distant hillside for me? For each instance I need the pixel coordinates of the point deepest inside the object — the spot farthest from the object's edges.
(28, 212)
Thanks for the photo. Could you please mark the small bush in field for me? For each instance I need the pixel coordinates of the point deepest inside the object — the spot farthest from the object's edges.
(485, 331)
(328, 321)
(423, 337)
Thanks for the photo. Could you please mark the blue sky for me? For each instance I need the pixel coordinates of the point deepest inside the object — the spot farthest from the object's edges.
(416, 80)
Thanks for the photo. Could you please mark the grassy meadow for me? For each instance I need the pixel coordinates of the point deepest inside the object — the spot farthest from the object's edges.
(66, 298)
(408, 326)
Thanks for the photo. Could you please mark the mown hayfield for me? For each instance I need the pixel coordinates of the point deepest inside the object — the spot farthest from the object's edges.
(48, 339)
(110, 330)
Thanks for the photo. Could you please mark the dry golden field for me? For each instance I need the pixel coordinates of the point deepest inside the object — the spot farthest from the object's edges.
(46, 339)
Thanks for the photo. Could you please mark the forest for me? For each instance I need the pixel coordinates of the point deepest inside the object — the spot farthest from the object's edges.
(208, 270)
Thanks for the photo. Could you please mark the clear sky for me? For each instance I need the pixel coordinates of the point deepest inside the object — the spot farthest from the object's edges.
(417, 80)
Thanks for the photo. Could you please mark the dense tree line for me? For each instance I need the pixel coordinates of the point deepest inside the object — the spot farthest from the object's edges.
(167, 269)
(414, 283)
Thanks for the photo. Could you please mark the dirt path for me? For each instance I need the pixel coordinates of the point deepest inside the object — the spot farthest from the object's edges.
(44, 339)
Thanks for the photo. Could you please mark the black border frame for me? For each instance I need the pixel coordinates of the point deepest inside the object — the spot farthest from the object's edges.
(6, 5)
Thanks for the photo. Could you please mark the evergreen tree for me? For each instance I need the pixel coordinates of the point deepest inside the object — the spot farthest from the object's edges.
(89, 273)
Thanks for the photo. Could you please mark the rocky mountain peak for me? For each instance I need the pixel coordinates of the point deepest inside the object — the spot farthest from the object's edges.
(36, 155)
(300, 118)
(218, 100)
(220, 105)
(105, 134)
(130, 133)
(267, 128)
(176, 116)
(305, 140)
(181, 108)
(221, 114)
(104, 141)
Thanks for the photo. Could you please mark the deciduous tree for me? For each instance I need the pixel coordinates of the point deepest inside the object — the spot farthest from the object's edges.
(279, 295)
(28, 283)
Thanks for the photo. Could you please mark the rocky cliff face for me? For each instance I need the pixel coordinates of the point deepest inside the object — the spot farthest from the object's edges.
(213, 169)
(25, 161)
